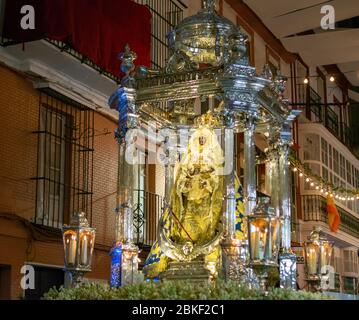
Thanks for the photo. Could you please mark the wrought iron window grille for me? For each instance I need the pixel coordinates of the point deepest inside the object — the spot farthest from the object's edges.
(64, 179)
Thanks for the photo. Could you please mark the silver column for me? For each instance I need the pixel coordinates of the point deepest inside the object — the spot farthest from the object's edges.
(124, 254)
(229, 218)
(250, 182)
(122, 202)
(170, 148)
(287, 260)
(285, 190)
(272, 170)
(233, 267)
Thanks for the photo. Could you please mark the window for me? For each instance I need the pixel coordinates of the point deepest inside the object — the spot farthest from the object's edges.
(65, 160)
(342, 167)
(165, 16)
(335, 161)
(324, 152)
(51, 167)
(338, 264)
(336, 180)
(330, 158)
(315, 168)
(350, 261)
(353, 177)
(349, 172)
(325, 174)
(311, 147)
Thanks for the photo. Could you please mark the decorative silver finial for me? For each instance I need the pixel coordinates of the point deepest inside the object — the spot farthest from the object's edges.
(267, 72)
(127, 57)
(209, 4)
(280, 84)
(239, 48)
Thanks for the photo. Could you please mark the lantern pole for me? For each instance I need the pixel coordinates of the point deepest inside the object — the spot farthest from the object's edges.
(233, 267)
(287, 259)
(124, 254)
(250, 183)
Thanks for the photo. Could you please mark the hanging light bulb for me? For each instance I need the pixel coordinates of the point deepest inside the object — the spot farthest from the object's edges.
(301, 174)
(307, 180)
(306, 81)
(331, 79)
(321, 190)
(295, 169)
(316, 187)
(312, 184)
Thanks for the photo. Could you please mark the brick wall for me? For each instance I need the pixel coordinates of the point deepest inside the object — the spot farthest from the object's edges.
(19, 108)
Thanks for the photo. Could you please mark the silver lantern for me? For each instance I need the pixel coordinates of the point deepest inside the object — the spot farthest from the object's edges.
(264, 240)
(318, 252)
(78, 240)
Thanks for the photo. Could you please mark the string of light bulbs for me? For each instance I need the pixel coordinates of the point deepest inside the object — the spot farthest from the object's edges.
(323, 187)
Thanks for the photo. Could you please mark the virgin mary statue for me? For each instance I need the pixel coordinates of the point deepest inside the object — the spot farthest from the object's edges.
(191, 221)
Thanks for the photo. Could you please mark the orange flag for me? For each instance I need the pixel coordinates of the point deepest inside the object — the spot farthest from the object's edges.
(333, 214)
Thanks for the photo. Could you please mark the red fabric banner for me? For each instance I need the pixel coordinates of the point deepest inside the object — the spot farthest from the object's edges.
(98, 29)
(333, 214)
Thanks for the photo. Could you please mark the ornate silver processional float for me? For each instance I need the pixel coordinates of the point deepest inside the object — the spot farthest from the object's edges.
(211, 226)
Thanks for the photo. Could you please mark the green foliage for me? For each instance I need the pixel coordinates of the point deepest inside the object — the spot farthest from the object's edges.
(273, 277)
(177, 290)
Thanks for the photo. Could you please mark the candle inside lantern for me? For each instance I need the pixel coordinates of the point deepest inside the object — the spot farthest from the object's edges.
(325, 253)
(312, 261)
(71, 252)
(262, 241)
(84, 245)
(268, 243)
(255, 243)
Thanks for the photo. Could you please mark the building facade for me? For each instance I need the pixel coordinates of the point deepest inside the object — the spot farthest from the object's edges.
(59, 155)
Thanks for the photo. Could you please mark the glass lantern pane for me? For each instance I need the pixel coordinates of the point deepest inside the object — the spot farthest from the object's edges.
(273, 243)
(70, 247)
(325, 255)
(258, 238)
(312, 255)
(86, 248)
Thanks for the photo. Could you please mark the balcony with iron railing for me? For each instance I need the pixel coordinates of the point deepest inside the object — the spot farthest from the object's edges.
(166, 14)
(147, 210)
(314, 210)
(319, 112)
